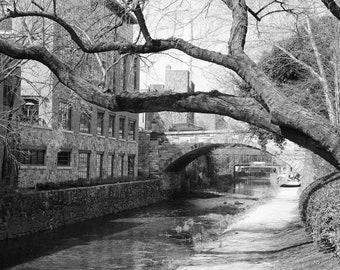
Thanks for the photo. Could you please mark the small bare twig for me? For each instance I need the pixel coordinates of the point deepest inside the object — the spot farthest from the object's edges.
(254, 14)
(277, 11)
(14, 6)
(54, 7)
(141, 21)
(37, 5)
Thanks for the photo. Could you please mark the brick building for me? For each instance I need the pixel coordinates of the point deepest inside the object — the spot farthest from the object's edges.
(63, 137)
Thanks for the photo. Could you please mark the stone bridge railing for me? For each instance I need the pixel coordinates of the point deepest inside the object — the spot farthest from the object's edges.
(210, 136)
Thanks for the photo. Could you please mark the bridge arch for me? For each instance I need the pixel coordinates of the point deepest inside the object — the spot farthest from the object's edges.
(164, 155)
(184, 156)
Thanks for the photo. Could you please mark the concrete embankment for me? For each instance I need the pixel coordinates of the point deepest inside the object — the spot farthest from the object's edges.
(30, 212)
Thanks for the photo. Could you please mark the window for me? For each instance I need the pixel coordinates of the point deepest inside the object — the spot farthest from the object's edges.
(85, 123)
(124, 76)
(121, 127)
(64, 158)
(99, 165)
(131, 165)
(84, 165)
(7, 91)
(132, 130)
(121, 165)
(30, 111)
(32, 157)
(5, 25)
(110, 165)
(11, 84)
(135, 74)
(90, 63)
(114, 75)
(112, 118)
(100, 123)
(64, 115)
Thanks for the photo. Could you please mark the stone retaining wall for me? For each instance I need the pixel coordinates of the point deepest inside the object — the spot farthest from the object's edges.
(22, 214)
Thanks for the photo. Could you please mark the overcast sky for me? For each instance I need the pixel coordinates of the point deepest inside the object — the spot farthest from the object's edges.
(207, 24)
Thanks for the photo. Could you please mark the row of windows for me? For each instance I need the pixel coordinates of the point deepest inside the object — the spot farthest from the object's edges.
(37, 157)
(65, 117)
(84, 165)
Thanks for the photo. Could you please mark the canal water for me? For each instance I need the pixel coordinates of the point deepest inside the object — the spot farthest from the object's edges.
(154, 237)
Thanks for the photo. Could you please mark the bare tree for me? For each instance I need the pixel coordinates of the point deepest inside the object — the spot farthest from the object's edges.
(278, 113)
(315, 56)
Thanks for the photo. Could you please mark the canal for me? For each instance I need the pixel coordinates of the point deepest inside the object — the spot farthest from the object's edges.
(154, 237)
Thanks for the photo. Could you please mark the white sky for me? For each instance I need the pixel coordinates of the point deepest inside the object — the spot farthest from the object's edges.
(210, 29)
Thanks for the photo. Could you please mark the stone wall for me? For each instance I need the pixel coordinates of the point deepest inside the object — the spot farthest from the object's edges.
(22, 214)
(143, 153)
(153, 152)
(53, 140)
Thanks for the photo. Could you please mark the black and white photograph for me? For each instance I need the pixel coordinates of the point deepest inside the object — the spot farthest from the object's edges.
(169, 135)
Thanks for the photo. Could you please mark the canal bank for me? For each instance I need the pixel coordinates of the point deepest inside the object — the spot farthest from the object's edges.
(269, 236)
(24, 213)
(153, 237)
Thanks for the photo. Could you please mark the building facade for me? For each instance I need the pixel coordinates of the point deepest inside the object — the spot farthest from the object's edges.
(178, 81)
(99, 144)
(62, 137)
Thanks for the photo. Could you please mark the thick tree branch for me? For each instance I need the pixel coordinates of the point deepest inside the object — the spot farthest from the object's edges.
(286, 113)
(153, 46)
(214, 102)
(17, 14)
(244, 109)
(83, 45)
(239, 27)
(141, 21)
(332, 7)
(309, 129)
(64, 73)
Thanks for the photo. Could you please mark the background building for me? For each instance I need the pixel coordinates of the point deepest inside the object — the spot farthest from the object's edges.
(176, 81)
(62, 137)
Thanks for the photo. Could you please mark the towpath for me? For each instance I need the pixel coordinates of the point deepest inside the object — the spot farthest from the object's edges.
(269, 236)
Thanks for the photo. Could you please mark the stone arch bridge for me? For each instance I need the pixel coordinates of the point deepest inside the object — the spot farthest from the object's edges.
(166, 154)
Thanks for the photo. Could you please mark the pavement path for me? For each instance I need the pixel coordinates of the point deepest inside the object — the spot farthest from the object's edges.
(253, 241)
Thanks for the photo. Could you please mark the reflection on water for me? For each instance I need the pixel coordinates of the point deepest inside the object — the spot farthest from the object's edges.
(153, 237)
(253, 187)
